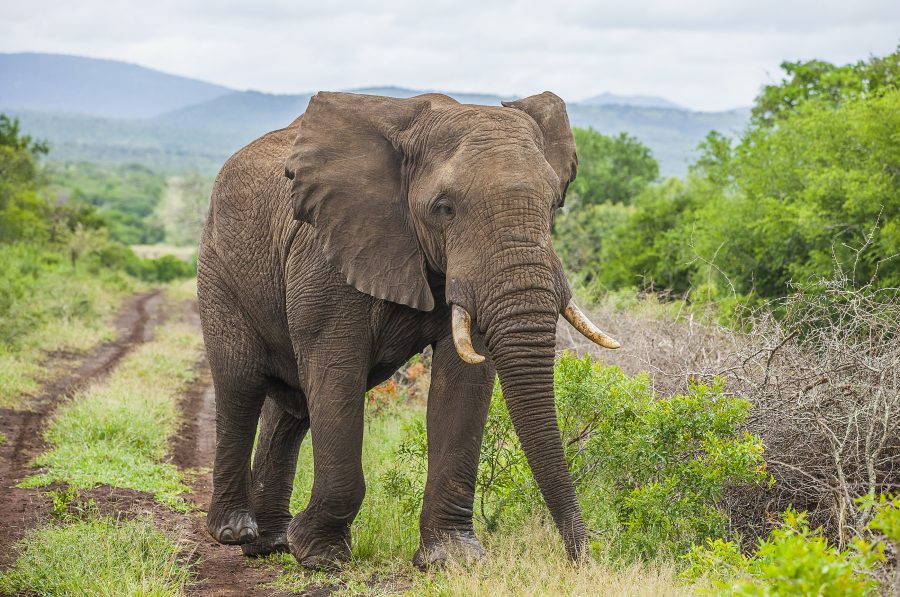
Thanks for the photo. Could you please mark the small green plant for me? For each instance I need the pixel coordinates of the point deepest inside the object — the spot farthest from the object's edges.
(60, 500)
(887, 516)
(66, 504)
(794, 560)
(887, 523)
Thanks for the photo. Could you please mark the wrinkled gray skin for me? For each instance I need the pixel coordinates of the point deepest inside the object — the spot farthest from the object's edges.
(332, 252)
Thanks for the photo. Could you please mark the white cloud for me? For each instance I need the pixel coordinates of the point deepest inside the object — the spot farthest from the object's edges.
(703, 54)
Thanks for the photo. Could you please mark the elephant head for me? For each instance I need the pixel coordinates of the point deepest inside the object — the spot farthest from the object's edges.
(401, 191)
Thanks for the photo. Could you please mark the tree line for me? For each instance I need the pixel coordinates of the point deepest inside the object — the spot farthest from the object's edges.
(811, 186)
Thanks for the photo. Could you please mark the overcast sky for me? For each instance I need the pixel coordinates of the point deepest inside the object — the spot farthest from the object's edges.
(703, 54)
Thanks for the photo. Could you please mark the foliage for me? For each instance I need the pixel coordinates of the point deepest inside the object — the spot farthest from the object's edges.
(610, 169)
(385, 535)
(649, 470)
(45, 306)
(786, 203)
(61, 274)
(887, 516)
(12, 137)
(793, 560)
(97, 556)
(126, 197)
(826, 84)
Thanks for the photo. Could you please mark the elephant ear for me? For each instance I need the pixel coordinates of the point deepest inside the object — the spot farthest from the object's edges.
(548, 110)
(346, 168)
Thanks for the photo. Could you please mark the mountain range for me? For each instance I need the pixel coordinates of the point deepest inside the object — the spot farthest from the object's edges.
(110, 111)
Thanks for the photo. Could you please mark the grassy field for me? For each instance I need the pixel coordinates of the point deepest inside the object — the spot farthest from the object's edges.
(116, 433)
(53, 307)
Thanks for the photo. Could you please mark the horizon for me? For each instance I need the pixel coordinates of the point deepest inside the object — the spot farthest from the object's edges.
(700, 55)
(602, 94)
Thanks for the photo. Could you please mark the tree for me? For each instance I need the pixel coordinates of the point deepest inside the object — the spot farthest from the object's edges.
(610, 169)
(825, 83)
(10, 136)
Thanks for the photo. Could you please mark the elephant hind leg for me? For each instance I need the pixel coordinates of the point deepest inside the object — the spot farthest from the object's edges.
(274, 465)
(237, 362)
(239, 398)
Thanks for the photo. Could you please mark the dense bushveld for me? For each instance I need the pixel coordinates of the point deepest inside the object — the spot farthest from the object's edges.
(746, 444)
(813, 183)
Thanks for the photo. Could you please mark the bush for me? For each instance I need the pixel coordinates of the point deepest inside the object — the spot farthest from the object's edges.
(649, 470)
(820, 368)
(792, 561)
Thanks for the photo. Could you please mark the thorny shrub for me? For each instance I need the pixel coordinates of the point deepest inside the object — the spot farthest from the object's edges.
(822, 370)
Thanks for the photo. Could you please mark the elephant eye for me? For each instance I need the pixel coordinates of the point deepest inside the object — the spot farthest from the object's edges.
(443, 209)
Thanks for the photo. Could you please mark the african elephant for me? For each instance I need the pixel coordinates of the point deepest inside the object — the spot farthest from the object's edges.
(342, 245)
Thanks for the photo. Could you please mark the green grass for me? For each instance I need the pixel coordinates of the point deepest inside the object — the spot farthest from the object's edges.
(47, 306)
(116, 433)
(97, 556)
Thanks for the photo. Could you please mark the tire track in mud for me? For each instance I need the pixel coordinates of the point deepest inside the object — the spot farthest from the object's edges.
(221, 569)
(23, 509)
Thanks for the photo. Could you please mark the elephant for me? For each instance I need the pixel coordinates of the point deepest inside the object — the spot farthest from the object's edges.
(337, 248)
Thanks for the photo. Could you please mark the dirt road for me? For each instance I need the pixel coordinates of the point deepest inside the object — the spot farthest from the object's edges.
(221, 570)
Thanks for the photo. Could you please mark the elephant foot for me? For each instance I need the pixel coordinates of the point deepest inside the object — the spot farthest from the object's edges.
(236, 527)
(266, 544)
(455, 546)
(272, 536)
(318, 551)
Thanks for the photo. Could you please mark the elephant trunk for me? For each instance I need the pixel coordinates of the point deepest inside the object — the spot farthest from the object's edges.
(521, 337)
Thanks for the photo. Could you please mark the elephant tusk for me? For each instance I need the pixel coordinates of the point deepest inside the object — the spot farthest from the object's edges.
(462, 336)
(584, 325)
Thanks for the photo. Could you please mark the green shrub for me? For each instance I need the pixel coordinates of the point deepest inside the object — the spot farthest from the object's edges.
(649, 470)
(793, 561)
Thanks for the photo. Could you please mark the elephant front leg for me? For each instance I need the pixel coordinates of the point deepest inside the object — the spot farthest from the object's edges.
(319, 536)
(272, 477)
(458, 403)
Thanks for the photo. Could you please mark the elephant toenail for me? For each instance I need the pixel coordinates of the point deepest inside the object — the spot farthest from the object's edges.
(226, 535)
(247, 535)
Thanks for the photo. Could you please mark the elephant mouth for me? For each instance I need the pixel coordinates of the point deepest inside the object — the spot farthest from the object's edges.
(462, 331)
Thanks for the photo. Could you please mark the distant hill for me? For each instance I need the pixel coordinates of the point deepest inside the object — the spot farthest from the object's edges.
(639, 101)
(672, 134)
(93, 87)
(114, 126)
